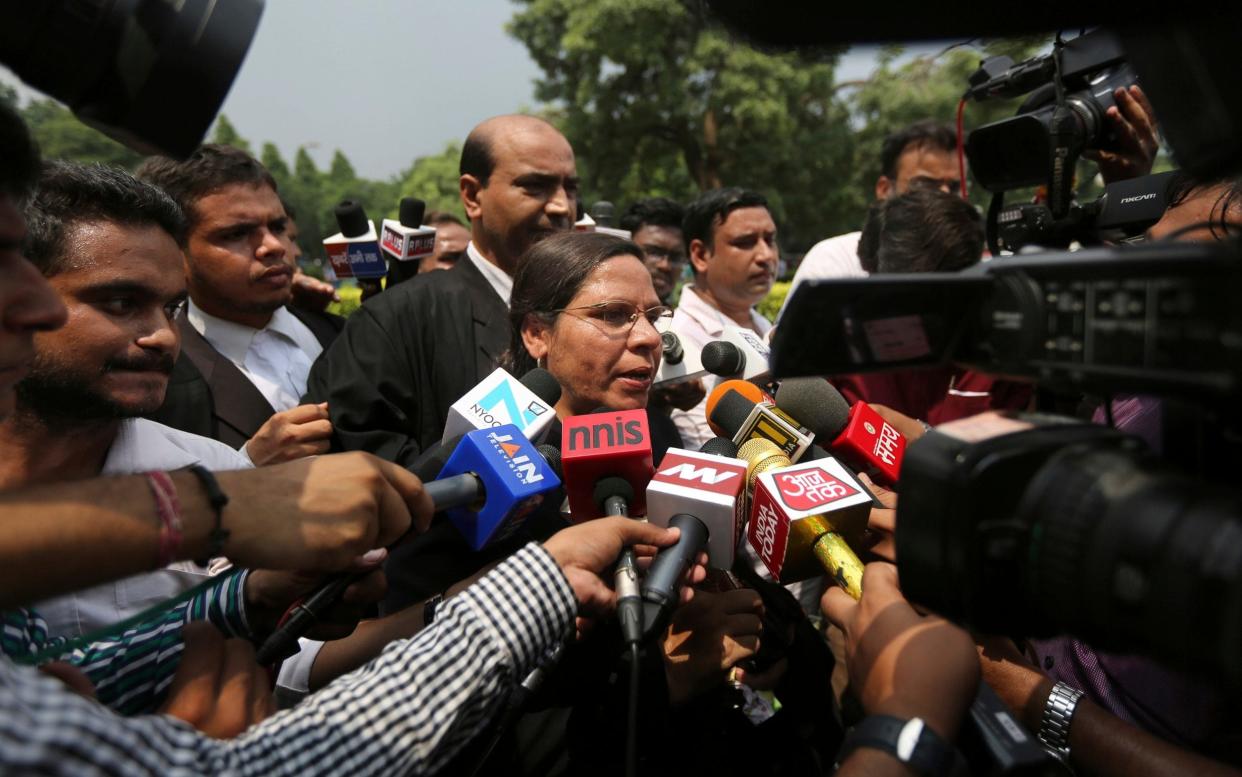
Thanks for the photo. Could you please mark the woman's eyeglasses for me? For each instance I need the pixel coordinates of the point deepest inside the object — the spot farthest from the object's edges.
(619, 317)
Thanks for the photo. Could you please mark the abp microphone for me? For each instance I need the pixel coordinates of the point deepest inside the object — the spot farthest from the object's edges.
(602, 444)
(501, 399)
(801, 517)
(858, 434)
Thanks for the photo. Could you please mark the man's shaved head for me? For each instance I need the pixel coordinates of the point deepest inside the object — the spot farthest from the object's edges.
(478, 156)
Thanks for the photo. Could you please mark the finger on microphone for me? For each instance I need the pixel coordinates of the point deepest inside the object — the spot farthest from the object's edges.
(837, 606)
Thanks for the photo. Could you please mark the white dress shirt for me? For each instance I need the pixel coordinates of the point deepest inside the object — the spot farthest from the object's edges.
(697, 322)
(836, 257)
(498, 279)
(277, 358)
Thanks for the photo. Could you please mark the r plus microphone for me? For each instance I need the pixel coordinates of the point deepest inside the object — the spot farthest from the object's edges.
(801, 517)
(406, 239)
(704, 495)
(858, 434)
(501, 399)
(740, 419)
(354, 251)
(743, 387)
(601, 444)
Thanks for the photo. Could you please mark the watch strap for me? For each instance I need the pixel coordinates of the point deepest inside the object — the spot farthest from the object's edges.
(429, 609)
(1054, 726)
(912, 742)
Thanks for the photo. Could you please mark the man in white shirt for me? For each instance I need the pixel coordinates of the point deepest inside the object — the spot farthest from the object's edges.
(245, 354)
(731, 241)
(920, 156)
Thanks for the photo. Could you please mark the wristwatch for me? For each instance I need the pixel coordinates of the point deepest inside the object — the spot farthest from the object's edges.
(429, 609)
(911, 742)
(1055, 725)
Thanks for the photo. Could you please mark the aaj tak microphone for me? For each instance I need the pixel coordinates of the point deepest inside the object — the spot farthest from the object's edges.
(354, 251)
(801, 517)
(858, 434)
(604, 444)
(501, 399)
(740, 419)
(492, 481)
(406, 239)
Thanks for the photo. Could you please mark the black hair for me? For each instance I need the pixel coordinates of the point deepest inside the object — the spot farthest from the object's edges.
(210, 168)
(924, 230)
(435, 218)
(19, 154)
(1183, 185)
(549, 275)
(476, 156)
(711, 210)
(921, 134)
(68, 194)
(653, 211)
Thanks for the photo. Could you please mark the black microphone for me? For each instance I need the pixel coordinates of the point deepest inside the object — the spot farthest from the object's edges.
(613, 495)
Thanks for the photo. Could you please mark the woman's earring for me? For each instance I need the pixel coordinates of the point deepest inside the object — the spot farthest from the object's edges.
(542, 362)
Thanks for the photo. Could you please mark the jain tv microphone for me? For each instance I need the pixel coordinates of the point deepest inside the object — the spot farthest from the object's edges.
(354, 251)
(406, 239)
(501, 399)
(858, 434)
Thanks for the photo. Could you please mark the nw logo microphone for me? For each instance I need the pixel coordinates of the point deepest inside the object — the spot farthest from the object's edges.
(689, 472)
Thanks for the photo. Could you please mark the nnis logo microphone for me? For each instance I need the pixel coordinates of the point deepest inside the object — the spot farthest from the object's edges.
(520, 464)
(502, 398)
(606, 434)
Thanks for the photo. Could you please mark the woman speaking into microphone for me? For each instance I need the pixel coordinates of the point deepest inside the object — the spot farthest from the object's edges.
(584, 309)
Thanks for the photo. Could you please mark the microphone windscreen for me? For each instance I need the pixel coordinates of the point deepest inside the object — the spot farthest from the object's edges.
(602, 212)
(721, 358)
(351, 218)
(543, 385)
(720, 446)
(670, 343)
(553, 457)
(814, 403)
(609, 487)
(730, 413)
(743, 387)
(411, 212)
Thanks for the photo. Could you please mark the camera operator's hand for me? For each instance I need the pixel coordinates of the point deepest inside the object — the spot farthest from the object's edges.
(1134, 122)
(909, 428)
(218, 689)
(311, 514)
(901, 663)
(707, 637)
(584, 551)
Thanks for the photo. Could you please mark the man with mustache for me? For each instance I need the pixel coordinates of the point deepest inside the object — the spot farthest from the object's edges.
(245, 353)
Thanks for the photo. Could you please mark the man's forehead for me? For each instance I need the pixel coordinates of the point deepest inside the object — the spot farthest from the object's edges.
(238, 202)
(534, 149)
(927, 161)
(748, 219)
(115, 252)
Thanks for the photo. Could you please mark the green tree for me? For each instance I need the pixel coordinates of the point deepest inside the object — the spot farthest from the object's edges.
(227, 135)
(433, 179)
(658, 100)
(275, 164)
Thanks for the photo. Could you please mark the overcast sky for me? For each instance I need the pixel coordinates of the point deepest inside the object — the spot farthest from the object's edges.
(319, 72)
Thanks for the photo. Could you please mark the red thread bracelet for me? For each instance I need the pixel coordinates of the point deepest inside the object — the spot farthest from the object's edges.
(168, 509)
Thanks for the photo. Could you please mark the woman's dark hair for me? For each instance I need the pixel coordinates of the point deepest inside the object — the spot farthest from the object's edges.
(1184, 185)
(549, 275)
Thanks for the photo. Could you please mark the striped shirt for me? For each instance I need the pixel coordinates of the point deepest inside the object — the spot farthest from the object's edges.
(131, 673)
(407, 712)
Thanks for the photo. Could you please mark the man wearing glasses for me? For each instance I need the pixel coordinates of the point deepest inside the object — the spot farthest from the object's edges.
(731, 242)
(655, 225)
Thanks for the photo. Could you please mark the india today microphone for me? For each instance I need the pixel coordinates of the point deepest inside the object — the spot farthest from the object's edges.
(858, 434)
(501, 399)
(354, 251)
(603, 444)
(406, 239)
(802, 518)
(740, 420)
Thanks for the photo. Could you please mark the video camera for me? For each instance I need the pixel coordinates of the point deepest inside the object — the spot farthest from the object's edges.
(1036, 525)
(1065, 113)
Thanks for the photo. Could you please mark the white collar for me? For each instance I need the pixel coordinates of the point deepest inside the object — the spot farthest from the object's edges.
(498, 279)
(233, 340)
(711, 318)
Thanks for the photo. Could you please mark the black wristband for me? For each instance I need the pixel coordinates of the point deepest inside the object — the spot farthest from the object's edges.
(429, 609)
(909, 741)
(217, 499)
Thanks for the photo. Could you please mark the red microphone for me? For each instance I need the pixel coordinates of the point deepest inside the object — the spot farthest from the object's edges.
(858, 434)
(604, 444)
